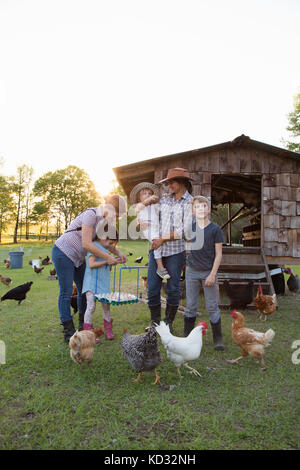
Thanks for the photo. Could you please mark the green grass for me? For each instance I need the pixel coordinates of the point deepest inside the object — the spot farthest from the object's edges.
(49, 402)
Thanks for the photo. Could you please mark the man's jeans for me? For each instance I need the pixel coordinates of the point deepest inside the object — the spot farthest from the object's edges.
(67, 273)
(193, 279)
(174, 265)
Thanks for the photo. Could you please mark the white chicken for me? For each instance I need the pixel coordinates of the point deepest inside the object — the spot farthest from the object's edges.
(182, 350)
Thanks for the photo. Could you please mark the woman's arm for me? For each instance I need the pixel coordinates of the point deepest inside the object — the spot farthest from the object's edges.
(87, 244)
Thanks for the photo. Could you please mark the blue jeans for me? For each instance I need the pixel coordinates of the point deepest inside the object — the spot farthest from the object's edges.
(193, 279)
(174, 265)
(67, 273)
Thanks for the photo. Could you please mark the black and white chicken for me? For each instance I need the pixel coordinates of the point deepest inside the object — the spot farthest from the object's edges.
(142, 352)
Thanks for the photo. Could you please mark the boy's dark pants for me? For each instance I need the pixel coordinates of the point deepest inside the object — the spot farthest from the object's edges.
(174, 264)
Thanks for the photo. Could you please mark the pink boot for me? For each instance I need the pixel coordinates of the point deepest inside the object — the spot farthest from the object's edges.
(89, 326)
(108, 329)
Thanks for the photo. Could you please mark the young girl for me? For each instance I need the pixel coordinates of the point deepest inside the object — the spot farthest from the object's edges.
(145, 196)
(96, 280)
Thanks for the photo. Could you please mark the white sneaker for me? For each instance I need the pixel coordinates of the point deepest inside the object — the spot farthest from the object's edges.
(163, 273)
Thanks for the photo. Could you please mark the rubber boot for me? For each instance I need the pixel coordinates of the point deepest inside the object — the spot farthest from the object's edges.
(189, 323)
(155, 312)
(108, 329)
(89, 326)
(81, 321)
(171, 311)
(69, 329)
(217, 335)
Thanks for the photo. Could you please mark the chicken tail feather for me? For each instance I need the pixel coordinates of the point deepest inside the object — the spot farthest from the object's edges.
(269, 335)
(75, 342)
(162, 329)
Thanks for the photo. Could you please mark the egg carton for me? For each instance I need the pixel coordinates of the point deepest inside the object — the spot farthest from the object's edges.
(116, 298)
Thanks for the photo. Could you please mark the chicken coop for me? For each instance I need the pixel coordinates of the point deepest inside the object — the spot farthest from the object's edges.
(257, 187)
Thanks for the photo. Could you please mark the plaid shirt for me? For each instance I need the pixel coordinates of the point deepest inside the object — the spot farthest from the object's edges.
(173, 216)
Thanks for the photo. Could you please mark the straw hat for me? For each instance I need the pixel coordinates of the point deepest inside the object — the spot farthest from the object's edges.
(144, 185)
(175, 173)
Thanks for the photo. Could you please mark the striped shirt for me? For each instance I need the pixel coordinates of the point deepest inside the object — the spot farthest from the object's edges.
(174, 214)
(70, 243)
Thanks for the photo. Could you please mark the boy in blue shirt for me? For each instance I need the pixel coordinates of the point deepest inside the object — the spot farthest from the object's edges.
(204, 259)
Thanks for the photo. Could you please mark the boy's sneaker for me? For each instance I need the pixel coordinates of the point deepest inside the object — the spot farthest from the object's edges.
(163, 273)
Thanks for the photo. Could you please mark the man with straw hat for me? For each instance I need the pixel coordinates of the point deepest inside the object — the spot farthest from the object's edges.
(174, 209)
(145, 196)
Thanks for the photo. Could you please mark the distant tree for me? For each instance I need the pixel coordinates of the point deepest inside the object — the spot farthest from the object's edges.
(6, 203)
(67, 192)
(41, 214)
(21, 182)
(44, 208)
(294, 126)
(28, 199)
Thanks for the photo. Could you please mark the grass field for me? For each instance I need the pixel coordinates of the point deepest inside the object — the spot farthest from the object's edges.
(49, 402)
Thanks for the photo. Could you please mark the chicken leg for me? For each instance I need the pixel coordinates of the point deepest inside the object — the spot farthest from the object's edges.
(157, 378)
(194, 371)
(234, 361)
(138, 379)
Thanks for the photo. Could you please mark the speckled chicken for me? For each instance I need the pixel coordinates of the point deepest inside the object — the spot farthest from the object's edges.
(142, 352)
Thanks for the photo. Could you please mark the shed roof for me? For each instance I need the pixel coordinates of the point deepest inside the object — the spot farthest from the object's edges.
(240, 141)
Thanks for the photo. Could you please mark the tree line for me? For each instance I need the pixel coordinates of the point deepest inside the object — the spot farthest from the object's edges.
(56, 198)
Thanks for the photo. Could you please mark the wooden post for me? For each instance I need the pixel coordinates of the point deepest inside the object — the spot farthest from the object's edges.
(229, 224)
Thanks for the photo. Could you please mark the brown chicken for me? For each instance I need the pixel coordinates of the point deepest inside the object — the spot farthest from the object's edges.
(5, 280)
(37, 270)
(7, 263)
(145, 284)
(265, 304)
(250, 341)
(82, 345)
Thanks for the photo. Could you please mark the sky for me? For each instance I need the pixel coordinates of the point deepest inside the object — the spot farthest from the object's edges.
(100, 84)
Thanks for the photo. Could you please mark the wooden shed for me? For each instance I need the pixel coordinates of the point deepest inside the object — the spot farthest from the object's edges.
(262, 178)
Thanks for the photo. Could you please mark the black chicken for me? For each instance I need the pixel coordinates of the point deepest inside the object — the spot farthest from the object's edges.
(138, 260)
(142, 352)
(293, 282)
(37, 270)
(18, 293)
(240, 296)
(74, 304)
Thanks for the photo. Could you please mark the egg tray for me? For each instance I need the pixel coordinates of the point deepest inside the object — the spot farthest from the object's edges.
(120, 299)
